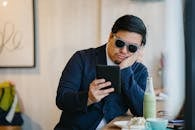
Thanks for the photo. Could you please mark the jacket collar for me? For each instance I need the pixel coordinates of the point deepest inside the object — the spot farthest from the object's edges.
(101, 55)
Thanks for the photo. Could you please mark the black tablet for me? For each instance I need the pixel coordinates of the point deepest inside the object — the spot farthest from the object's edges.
(110, 73)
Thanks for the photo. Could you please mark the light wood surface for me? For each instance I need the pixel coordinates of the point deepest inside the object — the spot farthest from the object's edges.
(111, 126)
(10, 128)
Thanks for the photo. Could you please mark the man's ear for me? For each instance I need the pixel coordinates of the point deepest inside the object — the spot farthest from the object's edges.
(110, 36)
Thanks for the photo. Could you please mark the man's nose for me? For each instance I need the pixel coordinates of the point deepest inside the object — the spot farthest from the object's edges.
(124, 49)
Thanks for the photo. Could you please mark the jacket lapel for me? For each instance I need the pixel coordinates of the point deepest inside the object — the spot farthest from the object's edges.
(101, 55)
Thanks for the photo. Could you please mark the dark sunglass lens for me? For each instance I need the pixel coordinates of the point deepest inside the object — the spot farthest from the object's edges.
(119, 43)
(132, 48)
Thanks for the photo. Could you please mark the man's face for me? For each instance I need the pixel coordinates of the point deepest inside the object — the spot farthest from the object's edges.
(118, 54)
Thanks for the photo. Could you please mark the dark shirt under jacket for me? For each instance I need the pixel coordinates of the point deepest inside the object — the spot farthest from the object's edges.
(72, 93)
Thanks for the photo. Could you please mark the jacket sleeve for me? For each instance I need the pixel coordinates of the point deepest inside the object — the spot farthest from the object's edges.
(133, 88)
(69, 97)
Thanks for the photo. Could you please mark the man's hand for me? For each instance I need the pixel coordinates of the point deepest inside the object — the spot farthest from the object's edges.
(137, 56)
(96, 93)
(141, 55)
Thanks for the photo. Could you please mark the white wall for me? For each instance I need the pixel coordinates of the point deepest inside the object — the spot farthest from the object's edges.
(174, 72)
(64, 26)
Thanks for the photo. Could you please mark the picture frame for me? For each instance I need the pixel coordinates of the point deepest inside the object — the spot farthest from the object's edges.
(17, 34)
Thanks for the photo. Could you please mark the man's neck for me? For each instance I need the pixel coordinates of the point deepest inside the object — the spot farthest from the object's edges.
(108, 59)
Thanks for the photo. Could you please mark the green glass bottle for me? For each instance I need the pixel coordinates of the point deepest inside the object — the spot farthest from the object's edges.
(149, 104)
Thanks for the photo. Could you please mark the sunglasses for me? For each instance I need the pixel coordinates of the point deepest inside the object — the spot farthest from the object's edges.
(132, 47)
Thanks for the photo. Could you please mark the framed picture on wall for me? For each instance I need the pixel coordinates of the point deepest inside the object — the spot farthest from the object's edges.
(17, 42)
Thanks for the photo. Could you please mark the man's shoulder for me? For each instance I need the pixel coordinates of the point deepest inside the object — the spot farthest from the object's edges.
(87, 51)
(90, 51)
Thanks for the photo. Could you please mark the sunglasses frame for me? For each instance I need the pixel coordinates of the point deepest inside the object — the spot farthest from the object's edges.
(126, 44)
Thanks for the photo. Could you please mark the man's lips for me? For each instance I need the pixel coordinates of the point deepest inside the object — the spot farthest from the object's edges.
(121, 56)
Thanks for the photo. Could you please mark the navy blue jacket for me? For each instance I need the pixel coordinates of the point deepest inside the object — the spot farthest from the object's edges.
(72, 93)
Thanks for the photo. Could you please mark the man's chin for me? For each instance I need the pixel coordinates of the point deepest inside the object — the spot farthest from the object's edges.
(117, 62)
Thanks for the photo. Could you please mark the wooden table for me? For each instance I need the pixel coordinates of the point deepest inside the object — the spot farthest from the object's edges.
(159, 108)
(111, 126)
(10, 128)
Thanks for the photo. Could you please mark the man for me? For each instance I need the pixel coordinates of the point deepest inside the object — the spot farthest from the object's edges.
(84, 104)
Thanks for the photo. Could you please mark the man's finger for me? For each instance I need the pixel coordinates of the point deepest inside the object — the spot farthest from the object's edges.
(102, 96)
(98, 81)
(103, 85)
(106, 91)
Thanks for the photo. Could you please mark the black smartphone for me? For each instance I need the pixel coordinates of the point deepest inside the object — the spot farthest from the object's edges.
(110, 73)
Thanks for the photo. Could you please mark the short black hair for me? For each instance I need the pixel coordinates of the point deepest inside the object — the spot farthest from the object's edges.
(130, 23)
